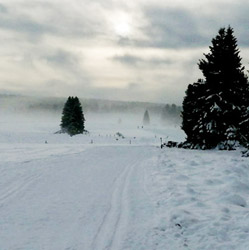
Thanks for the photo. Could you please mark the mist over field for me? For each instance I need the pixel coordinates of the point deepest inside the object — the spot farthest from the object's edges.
(55, 104)
(118, 111)
(32, 114)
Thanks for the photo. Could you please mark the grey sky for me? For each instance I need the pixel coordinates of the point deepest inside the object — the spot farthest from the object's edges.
(143, 50)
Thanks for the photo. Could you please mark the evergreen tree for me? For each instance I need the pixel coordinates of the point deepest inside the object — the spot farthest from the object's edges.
(146, 119)
(72, 121)
(173, 110)
(191, 114)
(165, 112)
(66, 114)
(171, 113)
(217, 107)
(244, 127)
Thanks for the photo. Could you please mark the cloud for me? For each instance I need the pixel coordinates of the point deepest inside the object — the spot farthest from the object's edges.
(52, 18)
(62, 58)
(188, 25)
(128, 59)
(133, 85)
(131, 60)
(3, 8)
(171, 28)
(60, 47)
(24, 26)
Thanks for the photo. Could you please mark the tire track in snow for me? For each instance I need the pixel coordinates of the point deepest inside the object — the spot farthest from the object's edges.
(114, 225)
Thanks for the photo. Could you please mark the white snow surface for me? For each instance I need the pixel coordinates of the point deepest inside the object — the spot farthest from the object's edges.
(99, 191)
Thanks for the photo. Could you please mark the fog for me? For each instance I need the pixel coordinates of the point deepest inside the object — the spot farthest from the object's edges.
(29, 119)
(119, 111)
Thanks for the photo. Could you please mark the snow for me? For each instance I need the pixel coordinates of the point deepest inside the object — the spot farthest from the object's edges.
(202, 198)
(215, 107)
(117, 193)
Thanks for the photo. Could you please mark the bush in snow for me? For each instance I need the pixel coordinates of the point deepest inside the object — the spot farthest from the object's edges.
(213, 108)
(120, 135)
(170, 144)
(72, 121)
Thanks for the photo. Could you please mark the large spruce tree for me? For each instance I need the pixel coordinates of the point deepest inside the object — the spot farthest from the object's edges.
(192, 108)
(212, 109)
(72, 121)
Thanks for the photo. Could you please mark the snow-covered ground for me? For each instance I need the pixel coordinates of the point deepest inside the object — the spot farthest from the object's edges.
(100, 191)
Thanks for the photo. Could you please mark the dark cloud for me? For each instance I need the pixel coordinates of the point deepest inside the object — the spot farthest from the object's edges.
(62, 58)
(185, 28)
(171, 28)
(240, 22)
(59, 21)
(189, 28)
(135, 60)
(68, 63)
(125, 41)
(24, 25)
(157, 61)
(3, 8)
(128, 59)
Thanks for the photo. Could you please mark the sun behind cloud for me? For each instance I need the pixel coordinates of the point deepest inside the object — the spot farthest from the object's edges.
(122, 28)
(122, 24)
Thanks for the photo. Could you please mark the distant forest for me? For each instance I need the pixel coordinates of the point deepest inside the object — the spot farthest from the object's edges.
(55, 104)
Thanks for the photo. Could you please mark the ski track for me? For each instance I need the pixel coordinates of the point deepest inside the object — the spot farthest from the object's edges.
(95, 220)
(17, 188)
(25, 178)
(110, 232)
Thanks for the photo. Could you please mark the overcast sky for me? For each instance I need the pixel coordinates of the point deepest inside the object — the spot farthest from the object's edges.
(141, 50)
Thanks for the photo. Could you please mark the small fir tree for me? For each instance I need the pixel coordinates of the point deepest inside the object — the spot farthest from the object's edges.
(66, 115)
(146, 119)
(72, 121)
(165, 112)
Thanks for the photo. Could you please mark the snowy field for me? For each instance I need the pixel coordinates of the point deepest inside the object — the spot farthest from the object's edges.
(100, 191)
